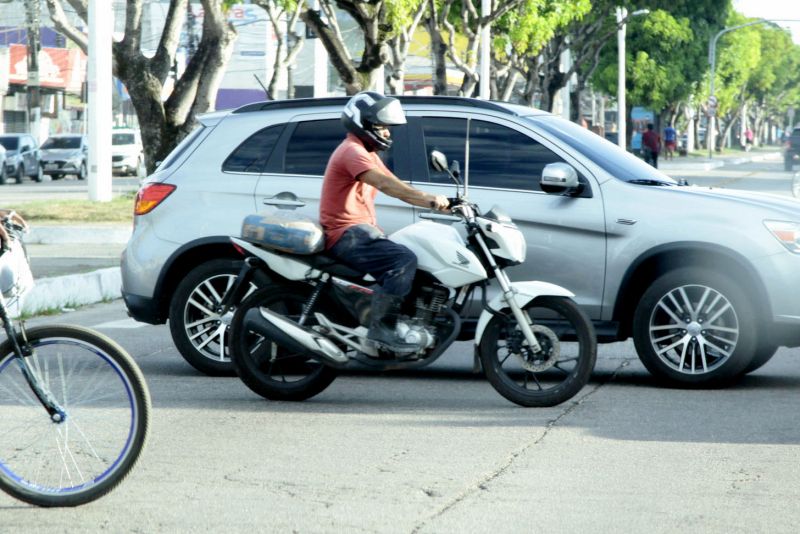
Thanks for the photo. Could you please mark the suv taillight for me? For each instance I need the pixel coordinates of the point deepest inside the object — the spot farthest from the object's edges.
(151, 196)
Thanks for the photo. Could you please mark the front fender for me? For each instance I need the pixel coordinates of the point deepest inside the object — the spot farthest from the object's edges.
(524, 292)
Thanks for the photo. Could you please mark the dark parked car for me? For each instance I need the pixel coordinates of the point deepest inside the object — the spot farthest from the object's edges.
(791, 149)
(65, 154)
(703, 280)
(22, 158)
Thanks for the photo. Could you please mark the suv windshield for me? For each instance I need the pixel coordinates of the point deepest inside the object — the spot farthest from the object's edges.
(62, 142)
(122, 139)
(9, 143)
(610, 157)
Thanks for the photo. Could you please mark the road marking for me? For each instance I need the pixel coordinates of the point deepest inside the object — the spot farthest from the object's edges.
(122, 323)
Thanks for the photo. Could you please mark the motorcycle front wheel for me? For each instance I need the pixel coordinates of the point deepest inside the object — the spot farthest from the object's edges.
(268, 369)
(553, 375)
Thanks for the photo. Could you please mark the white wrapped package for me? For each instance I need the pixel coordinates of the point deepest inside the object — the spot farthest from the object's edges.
(285, 231)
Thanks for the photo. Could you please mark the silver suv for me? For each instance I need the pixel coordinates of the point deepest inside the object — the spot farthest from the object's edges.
(703, 280)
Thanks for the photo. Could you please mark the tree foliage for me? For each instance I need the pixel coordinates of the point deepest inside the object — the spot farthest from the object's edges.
(378, 20)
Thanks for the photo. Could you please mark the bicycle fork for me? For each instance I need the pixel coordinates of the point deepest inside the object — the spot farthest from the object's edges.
(23, 352)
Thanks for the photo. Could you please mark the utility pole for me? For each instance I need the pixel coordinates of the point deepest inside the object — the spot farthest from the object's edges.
(101, 24)
(33, 22)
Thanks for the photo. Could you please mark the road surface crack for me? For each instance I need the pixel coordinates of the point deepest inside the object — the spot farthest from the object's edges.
(483, 483)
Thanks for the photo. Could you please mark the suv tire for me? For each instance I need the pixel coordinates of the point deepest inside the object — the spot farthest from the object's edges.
(20, 174)
(81, 172)
(198, 331)
(763, 354)
(39, 174)
(723, 347)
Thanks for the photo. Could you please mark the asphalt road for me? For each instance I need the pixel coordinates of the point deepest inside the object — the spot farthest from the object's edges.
(439, 450)
(766, 175)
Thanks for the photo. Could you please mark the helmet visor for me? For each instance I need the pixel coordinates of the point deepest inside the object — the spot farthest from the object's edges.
(390, 114)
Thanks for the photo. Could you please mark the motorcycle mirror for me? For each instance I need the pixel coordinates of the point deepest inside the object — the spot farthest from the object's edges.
(438, 161)
(455, 169)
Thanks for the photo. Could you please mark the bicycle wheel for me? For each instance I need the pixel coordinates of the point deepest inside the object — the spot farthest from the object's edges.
(107, 407)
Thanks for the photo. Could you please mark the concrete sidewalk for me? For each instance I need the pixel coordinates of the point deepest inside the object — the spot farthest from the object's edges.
(695, 163)
(74, 265)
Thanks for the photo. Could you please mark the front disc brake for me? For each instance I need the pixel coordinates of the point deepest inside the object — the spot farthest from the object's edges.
(545, 358)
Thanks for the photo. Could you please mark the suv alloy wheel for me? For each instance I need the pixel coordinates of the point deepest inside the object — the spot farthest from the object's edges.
(198, 331)
(694, 327)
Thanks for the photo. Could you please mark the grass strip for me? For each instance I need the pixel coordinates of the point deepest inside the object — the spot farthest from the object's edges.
(118, 210)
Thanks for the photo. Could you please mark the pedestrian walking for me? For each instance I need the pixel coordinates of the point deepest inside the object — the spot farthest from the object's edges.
(651, 145)
(670, 141)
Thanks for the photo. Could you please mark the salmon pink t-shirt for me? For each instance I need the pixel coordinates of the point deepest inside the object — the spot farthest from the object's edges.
(345, 200)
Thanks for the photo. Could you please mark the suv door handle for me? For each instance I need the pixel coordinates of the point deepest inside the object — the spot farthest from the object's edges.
(284, 199)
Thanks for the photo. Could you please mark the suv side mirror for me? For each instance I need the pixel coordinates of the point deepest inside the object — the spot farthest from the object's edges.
(559, 178)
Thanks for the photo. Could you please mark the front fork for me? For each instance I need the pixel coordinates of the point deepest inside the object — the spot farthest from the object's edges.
(23, 352)
(522, 318)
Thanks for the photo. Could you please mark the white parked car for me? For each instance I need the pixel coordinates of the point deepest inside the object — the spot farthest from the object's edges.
(127, 157)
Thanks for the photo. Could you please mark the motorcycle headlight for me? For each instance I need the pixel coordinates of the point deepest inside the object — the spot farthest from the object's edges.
(787, 232)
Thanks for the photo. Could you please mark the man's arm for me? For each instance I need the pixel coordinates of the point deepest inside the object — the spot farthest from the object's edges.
(400, 190)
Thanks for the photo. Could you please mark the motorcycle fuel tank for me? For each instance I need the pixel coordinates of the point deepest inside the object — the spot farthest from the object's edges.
(442, 252)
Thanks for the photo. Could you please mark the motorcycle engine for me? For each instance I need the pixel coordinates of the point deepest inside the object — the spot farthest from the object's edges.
(410, 332)
(419, 330)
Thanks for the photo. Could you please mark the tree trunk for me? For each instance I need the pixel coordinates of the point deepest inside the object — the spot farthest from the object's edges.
(439, 53)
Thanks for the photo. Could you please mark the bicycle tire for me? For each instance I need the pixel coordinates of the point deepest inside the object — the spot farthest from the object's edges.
(104, 432)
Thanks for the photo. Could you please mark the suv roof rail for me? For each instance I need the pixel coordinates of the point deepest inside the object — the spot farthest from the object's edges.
(342, 100)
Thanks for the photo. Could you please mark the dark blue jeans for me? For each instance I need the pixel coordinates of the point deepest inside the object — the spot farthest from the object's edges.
(365, 248)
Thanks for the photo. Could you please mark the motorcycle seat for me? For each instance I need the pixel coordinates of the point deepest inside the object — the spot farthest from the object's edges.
(333, 266)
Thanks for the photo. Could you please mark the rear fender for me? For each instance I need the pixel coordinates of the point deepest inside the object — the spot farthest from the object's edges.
(281, 264)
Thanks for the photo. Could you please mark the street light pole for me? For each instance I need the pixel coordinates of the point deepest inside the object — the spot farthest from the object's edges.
(486, 48)
(101, 25)
(33, 22)
(622, 109)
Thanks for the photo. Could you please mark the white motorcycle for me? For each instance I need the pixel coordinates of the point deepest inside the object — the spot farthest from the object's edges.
(288, 339)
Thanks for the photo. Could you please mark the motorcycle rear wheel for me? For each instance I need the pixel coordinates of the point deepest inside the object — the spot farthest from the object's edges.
(270, 370)
(551, 377)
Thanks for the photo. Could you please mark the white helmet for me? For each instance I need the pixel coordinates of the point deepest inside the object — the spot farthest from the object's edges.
(368, 109)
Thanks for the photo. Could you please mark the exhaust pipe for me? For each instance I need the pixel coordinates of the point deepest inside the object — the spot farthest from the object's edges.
(293, 337)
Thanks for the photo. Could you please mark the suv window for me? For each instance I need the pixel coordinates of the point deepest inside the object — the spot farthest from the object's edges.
(448, 136)
(311, 145)
(122, 139)
(179, 150)
(62, 142)
(253, 153)
(9, 143)
(499, 157)
(505, 158)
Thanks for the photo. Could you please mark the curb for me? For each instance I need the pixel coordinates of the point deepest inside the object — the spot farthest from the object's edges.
(73, 290)
(80, 289)
(95, 234)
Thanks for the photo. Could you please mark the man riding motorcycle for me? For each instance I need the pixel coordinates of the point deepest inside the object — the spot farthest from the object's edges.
(353, 177)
